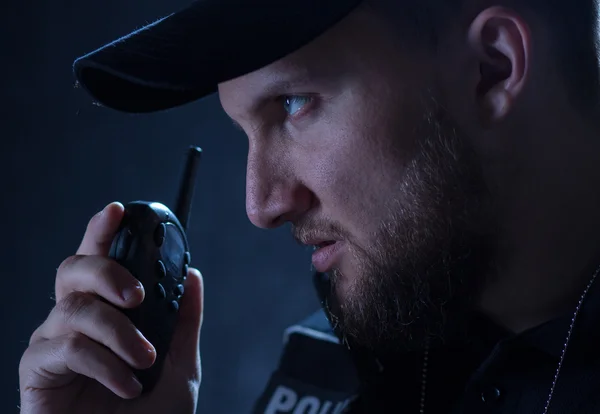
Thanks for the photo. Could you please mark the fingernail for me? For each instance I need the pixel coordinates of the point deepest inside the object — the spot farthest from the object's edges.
(130, 292)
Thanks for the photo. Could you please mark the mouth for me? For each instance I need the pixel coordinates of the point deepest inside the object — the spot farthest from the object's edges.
(322, 244)
(326, 254)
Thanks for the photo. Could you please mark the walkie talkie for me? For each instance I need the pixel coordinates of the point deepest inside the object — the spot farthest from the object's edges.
(152, 244)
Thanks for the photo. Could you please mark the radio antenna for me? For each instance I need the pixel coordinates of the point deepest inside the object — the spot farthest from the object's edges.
(183, 205)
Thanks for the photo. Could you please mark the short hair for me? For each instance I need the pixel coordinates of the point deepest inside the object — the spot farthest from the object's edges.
(573, 27)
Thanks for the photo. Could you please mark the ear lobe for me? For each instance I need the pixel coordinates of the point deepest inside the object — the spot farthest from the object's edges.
(497, 104)
(501, 42)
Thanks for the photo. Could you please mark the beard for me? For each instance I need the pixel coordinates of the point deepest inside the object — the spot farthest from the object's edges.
(427, 261)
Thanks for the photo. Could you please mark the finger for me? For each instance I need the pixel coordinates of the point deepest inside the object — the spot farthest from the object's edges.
(185, 346)
(101, 230)
(83, 313)
(56, 362)
(101, 276)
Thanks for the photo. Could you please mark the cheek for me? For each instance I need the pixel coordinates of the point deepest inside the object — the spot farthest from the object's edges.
(350, 179)
(335, 184)
(353, 159)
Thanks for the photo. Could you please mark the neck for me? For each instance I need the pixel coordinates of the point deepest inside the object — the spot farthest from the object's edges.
(550, 238)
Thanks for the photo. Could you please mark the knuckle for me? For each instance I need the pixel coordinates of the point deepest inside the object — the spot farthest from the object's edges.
(62, 270)
(36, 335)
(68, 263)
(74, 305)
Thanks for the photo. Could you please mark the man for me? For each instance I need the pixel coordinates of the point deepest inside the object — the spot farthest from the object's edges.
(442, 157)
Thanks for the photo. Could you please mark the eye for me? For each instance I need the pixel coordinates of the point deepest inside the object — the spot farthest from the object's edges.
(293, 104)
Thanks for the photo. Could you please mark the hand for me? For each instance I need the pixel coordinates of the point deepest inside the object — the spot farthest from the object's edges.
(79, 361)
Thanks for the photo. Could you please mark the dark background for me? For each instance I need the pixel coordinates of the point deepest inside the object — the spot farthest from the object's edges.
(63, 159)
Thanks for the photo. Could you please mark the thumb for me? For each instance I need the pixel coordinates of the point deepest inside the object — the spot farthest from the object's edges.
(184, 351)
(101, 230)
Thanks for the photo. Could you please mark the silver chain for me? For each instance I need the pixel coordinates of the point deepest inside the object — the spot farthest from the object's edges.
(560, 362)
(424, 377)
(568, 339)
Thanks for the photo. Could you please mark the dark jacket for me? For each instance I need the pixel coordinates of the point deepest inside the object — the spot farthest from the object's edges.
(492, 372)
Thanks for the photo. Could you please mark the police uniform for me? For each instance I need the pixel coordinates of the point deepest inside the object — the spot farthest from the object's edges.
(493, 371)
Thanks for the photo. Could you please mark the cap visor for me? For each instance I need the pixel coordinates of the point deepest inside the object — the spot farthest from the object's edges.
(184, 56)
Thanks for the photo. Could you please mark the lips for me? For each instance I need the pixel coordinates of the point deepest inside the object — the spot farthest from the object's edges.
(326, 255)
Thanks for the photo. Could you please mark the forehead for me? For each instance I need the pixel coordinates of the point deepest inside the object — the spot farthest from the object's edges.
(289, 73)
(357, 44)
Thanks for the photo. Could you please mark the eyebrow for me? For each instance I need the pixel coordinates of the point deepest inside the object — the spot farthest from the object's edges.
(286, 82)
(278, 87)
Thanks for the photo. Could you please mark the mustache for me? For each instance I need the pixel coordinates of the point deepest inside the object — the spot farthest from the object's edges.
(314, 228)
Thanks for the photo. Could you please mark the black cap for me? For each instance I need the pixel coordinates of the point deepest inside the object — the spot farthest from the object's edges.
(184, 56)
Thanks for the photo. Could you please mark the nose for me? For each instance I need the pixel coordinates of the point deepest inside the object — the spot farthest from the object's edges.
(274, 194)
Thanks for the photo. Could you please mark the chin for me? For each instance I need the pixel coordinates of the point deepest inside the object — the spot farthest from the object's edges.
(390, 310)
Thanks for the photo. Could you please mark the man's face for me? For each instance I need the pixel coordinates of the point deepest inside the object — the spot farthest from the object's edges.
(349, 141)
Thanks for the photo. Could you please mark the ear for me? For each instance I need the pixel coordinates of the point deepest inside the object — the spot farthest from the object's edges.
(501, 41)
